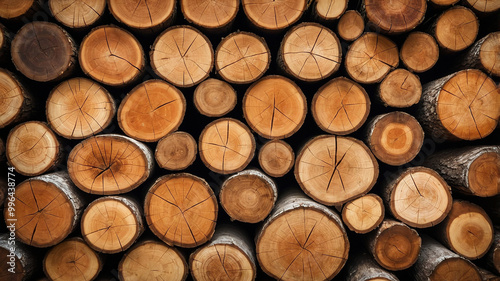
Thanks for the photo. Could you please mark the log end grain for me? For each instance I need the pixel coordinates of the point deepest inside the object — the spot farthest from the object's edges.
(77, 14)
(214, 98)
(329, 10)
(456, 29)
(275, 15)
(13, 102)
(484, 6)
(363, 214)
(276, 158)
(395, 17)
(484, 174)
(211, 15)
(419, 52)
(400, 89)
(351, 25)
(489, 54)
(13, 9)
(176, 151)
(141, 15)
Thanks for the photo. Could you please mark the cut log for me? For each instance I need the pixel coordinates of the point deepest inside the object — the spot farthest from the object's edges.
(214, 16)
(228, 256)
(72, 260)
(181, 209)
(456, 29)
(5, 40)
(111, 224)
(111, 55)
(400, 89)
(16, 9)
(483, 6)
(419, 52)
(214, 98)
(151, 110)
(33, 149)
(484, 55)
(17, 256)
(487, 275)
(52, 46)
(310, 52)
(472, 170)
(418, 196)
(394, 245)
(371, 57)
(328, 10)
(152, 259)
(182, 55)
(275, 15)
(363, 268)
(226, 146)
(341, 106)
(176, 151)
(109, 164)
(463, 105)
(248, 196)
(144, 16)
(493, 255)
(274, 107)
(48, 211)
(77, 14)
(437, 263)
(79, 108)
(16, 104)
(242, 57)
(395, 17)
(363, 214)
(395, 138)
(276, 158)
(351, 25)
(443, 3)
(302, 238)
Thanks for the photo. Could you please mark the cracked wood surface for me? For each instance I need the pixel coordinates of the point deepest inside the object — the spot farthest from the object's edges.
(329, 10)
(214, 98)
(419, 52)
(77, 13)
(351, 25)
(400, 88)
(143, 15)
(456, 29)
(363, 214)
(274, 15)
(176, 151)
(395, 17)
(212, 15)
(484, 54)
(276, 158)
(16, 103)
(483, 6)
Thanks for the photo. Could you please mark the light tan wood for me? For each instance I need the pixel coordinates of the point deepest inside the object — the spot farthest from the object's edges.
(333, 169)
(275, 15)
(182, 55)
(276, 158)
(111, 55)
(444, 3)
(419, 52)
(484, 6)
(329, 10)
(24, 260)
(274, 107)
(214, 98)
(363, 214)
(151, 110)
(151, 260)
(362, 267)
(78, 108)
(226, 146)
(371, 57)
(351, 25)
(484, 55)
(77, 14)
(109, 164)
(12, 9)
(341, 106)
(32, 148)
(176, 151)
(400, 89)
(145, 16)
(242, 57)
(456, 29)
(211, 15)
(181, 209)
(395, 17)
(16, 103)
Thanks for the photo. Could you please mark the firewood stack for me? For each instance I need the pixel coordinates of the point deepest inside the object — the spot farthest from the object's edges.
(250, 140)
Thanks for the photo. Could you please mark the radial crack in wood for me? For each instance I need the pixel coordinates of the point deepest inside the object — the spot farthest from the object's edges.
(419, 52)
(144, 16)
(363, 214)
(77, 13)
(212, 15)
(456, 29)
(351, 25)
(274, 15)
(400, 88)
(276, 158)
(15, 103)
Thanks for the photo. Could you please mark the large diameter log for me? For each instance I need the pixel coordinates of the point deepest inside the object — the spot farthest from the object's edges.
(363, 268)
(111, 55)
(456, 29)
(49, 209)
(328, 10)
(484, 54)
(52, 46)
(418, 196)
(144, 16)
(276, 158)
(16, 104)
(463, 105)
(77, 14)
(176, 151)
(394, 17)
(400, 88)
(15, 9)
(214, 98)
(17, 262)
(333, 170)
(419, 52)
(302, 238)
(274, 107)
(109, 164)
(483, 6)
(275, 15)
(152, 259)
(216, 16)
(181, 209)
(493, 255)
(351, 25)
(363, 214)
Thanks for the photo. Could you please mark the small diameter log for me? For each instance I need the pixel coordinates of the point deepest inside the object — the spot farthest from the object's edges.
(15, 9)
(484, 55)
(329, 10)
(472, 170)
(52, 46)
(72, 260)
(79, 108)
(395, 17)
(363, 214)
(17, 256)
(394, 245)
(228, 256)
(152, 259)
(248, 196)
(419, 52)
(310, 52)
(111, 224)
(276, 158)
(493, 255)
(351, 25)
(275, 15)
(400, 89)
(395, 138)
(214, 98)
(274, 107)
(242, 57)
(371, 57)
(77, 14)
(109, 164)
(418, 196)
(463, 105)
(334, 170)
(181, 209)
(362, 267)
(176, 151)
(111, 55)
(456, 29)
(144, 16)
(302, 238)
(483, 6)
(341, 106)
(49, 209)
(182, 55)
(151, 110)
(436, 263)
(226, 146)
(16, 104)
(214, 16)
(33, 149)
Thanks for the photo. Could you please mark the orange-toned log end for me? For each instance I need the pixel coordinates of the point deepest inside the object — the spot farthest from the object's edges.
(456, 29)
(273, 15)
(363, 214)
(329, 10)
(77, 14)
(489, 54)
(181, 209)
(395, 17)
(483, 6)
(23, 260)
(484, 174)
(351, 25)
(211, 15)
(176, 151)
(400, 89)
(15, 103)
(14, 9)
(276, 158)
(145, 16)
(419, 52)
(214, 98)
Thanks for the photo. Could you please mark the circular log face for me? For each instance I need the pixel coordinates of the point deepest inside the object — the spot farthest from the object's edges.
(397, 247)
(456, 29)
(276, 158)
(484, 6)
(419, 52)
(140, 14)
(274, 15)
(458, 269)
(11, 98)
(214, 98)
(330, 9)
(400, 88)
(210, 14)
(351, 25)
(395, 16)
(490, 52)
(10, 9)
(363, 214)
(176, 151)
(484, 175)
(77, 14)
